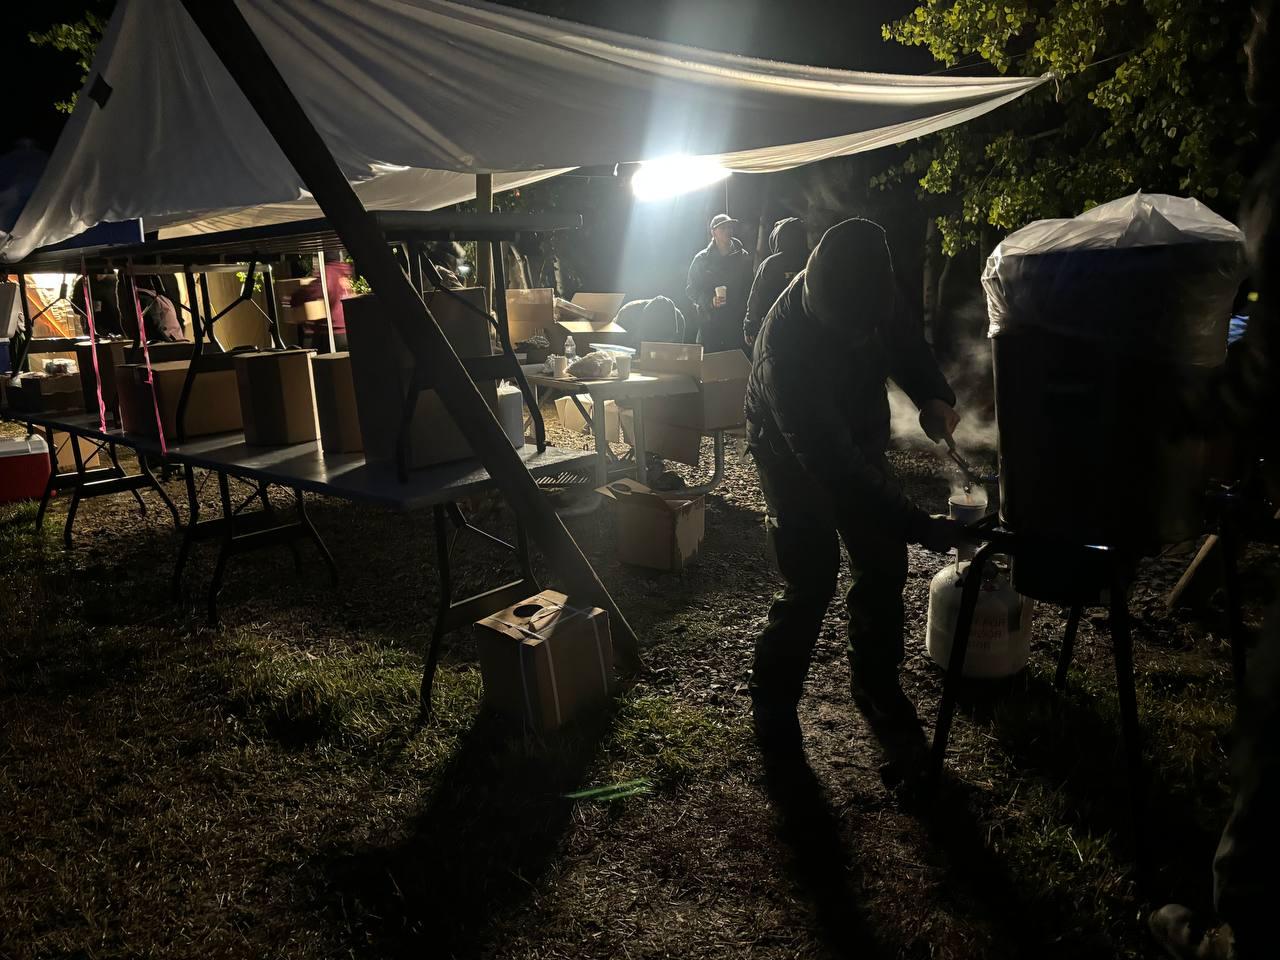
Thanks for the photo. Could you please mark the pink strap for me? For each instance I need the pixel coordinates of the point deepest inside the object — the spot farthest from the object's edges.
(93, 343)
(146, 355)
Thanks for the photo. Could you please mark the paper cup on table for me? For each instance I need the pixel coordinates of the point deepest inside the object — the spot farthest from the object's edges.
(622, 364)
(559, 366)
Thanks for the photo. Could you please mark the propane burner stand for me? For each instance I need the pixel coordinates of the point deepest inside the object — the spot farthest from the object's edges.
(1108, 568)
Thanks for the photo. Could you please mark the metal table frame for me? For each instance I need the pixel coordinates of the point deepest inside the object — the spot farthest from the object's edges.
(633, 391)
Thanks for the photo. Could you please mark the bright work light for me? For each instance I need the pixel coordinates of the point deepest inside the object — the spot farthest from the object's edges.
(672, 176)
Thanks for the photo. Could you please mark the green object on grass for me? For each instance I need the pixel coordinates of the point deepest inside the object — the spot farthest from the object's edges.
(613, 791)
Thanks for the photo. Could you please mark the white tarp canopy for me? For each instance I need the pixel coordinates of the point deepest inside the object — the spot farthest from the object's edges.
(411, 95)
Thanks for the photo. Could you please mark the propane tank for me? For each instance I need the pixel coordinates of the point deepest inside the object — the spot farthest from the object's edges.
(1000, 640)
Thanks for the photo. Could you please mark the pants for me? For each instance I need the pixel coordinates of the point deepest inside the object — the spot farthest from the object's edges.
(1246, 875)
(807, 544)
(720, 332)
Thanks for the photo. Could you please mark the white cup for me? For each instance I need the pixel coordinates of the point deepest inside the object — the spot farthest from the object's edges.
(622, 363)
(559, 366)
(722, 293)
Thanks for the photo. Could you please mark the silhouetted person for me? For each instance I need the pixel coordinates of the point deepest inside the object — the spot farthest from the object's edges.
(719, 282)
(789, 248)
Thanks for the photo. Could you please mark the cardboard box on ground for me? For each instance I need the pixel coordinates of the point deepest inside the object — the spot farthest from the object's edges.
(572, 420)
(722, 386)
(544, 663)
(681, 444)
(382, 370)
(661, 531)
(277, 398)
(336, 403)
(213, 407)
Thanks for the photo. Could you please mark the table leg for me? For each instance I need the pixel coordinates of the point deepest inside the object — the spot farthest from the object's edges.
(145, 469)
(224, 550)
(75, 492)
(189, 534)
(53, 478)
(305, 520)
(602, 442)
(637, 424)
(440, 520)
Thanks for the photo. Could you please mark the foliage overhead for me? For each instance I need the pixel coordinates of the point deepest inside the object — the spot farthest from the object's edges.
(79, 38)
(1146, 95)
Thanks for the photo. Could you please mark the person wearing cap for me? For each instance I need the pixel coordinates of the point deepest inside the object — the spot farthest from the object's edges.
(818, 425)
(719, 282)
(788, 250)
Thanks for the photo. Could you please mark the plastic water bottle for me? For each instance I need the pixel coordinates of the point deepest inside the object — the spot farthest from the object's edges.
(570, 349)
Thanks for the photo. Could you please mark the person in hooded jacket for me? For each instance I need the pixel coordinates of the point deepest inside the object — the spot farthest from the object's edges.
(789, 248)
(818, 425)
(724, 262)
(657, 321)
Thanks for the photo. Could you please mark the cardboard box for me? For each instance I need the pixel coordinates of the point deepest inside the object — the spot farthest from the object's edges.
(545, 662)
(336, 403)
(277, 399)
(661, 531)
(572, 420)
(672, 442)
(110, 353)
(465, 324)
(47, 393)
(597, 328)
(530, 313)
(603, 307)
(214, 406)
(722, 386)
(160, 352)
(382, 370)
(66, 455)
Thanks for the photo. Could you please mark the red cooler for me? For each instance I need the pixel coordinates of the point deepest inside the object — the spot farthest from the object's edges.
(24, 469)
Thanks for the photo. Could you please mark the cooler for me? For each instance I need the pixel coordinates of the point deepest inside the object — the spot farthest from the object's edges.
(24, 469)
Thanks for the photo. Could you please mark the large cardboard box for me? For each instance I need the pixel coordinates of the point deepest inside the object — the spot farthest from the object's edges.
(160, 352)
(336, 403)
(47, 393)
(530, 313)
(545, 662)
(382, 371)
(722, 385)
(463, 318)
(572, 420)
(596, 327)
(277, 399)
(661, 531)
(214, 406)
(681, 444)
(110, 353)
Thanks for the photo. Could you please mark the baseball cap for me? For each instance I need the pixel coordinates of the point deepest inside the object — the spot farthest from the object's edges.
(720, 219)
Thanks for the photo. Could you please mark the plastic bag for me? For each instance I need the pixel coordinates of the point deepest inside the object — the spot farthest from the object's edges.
(593, 366)
(1148, 274)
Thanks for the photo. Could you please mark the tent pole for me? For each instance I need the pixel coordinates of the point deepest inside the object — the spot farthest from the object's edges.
(484, 255)
(238, 47)
(324, 295)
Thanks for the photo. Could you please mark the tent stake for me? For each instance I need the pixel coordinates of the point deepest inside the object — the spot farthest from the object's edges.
(241, 52)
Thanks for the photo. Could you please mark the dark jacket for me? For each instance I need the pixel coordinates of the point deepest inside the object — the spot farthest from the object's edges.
(788, 250)
(720, 328)
(817, 399)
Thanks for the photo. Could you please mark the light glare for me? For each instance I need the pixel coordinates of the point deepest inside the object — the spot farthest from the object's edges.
(672, 176)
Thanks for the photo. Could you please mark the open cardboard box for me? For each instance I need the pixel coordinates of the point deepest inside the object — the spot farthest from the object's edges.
(571, 417)
(722, 385)
(596, 327)
(662, 531)
(544, 661)
(530, 313)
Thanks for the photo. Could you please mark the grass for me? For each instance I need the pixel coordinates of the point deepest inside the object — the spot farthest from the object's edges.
(267, 790)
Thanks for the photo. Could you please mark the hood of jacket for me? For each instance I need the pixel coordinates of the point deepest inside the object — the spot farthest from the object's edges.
(789, 236)
(848, 280)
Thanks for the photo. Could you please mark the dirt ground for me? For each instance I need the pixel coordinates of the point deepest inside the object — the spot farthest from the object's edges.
(265, 790)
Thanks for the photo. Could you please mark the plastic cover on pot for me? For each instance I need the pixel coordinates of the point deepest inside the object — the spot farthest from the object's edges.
(1148, 274)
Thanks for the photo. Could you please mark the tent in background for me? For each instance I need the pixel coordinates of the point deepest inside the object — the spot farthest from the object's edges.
(413, 95)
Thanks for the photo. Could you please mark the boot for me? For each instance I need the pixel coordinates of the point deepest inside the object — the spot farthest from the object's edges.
(1185, 937)
(894, 723)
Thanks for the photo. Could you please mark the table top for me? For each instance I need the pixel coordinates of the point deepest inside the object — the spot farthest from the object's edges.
(347, 476)
(636, 387)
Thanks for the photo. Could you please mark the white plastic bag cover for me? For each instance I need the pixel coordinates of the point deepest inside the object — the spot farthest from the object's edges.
(1148, 273)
